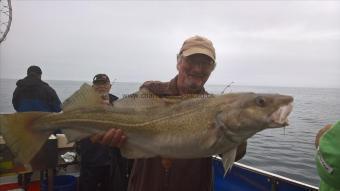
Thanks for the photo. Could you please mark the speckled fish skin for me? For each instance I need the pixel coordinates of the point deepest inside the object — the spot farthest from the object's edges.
(190, 128)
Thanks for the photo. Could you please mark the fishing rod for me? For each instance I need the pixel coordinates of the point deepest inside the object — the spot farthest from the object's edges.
(226, 87)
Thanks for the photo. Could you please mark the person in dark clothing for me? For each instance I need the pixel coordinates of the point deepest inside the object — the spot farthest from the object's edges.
(102, 168)
(33, 94)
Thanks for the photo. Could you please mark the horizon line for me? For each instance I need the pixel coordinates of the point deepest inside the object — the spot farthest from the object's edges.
(208, 84)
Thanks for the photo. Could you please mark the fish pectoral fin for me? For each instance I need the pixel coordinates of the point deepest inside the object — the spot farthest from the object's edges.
(134, 152)
(86, 96)
(228, 159)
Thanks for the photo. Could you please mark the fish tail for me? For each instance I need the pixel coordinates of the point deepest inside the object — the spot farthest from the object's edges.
(20, 138)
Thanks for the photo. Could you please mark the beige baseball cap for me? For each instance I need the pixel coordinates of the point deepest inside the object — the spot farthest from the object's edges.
(198, 45)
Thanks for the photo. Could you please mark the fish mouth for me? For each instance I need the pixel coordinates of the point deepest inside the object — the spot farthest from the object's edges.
(280, 117)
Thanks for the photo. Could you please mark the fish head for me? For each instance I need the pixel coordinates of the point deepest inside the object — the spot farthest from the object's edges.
(248, 113)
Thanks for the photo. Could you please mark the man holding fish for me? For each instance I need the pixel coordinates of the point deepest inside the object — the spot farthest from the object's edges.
(195, 62)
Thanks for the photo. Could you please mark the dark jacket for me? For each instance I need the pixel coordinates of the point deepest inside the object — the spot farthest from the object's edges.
(95, 154)
(102, 164)
(33, 94)
(157, 174)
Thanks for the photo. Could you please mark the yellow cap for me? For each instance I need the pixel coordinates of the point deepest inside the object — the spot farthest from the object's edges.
(198, 45)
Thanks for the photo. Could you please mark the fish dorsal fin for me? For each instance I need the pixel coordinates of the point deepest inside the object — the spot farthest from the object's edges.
(86, 96)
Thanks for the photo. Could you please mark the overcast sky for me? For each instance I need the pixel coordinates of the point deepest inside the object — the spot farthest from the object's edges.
(274, 43)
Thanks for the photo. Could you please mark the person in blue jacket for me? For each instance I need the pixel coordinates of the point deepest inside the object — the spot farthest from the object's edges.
(33, 94)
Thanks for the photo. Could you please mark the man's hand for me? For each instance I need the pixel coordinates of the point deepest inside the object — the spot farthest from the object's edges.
(112, 137)
(320, 133)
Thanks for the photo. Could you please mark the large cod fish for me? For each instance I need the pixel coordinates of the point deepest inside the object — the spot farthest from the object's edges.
(168, 127)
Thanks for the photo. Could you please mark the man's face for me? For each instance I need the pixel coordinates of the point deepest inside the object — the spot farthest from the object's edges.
(102, 88)
(193, 72)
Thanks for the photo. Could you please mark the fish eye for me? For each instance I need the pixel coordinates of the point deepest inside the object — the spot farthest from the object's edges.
(260, 101)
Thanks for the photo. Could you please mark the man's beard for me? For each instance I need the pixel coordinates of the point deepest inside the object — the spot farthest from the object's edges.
(192, 87)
